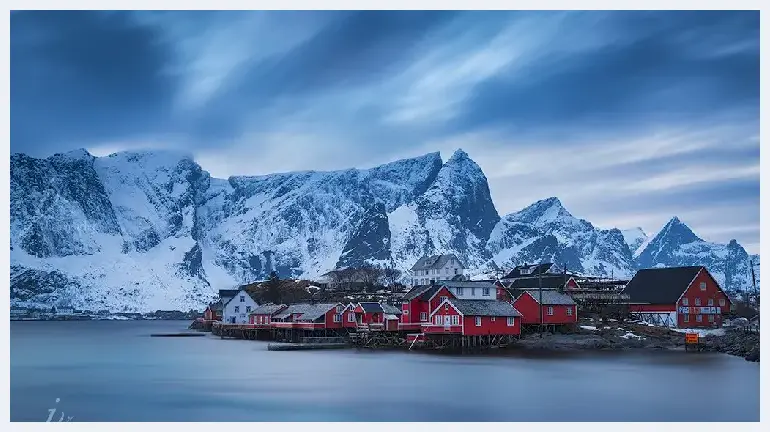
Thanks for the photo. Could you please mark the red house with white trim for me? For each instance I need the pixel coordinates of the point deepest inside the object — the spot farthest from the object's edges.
(679, 297)
(556, 308)
(474, 318)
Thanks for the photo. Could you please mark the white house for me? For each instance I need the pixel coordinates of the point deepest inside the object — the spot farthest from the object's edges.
(437, 267)
(237, 310)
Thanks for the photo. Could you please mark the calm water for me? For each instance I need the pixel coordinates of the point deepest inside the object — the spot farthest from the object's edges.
(113, 371)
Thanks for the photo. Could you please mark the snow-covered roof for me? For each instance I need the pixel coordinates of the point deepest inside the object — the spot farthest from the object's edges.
(307, 312)
(484, 308)
(268, 309)
(551, 297)
(435, 262)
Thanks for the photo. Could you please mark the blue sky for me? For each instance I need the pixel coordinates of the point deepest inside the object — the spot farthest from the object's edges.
(628, 117)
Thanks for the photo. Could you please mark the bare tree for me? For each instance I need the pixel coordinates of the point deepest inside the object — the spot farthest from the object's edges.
(391, 275)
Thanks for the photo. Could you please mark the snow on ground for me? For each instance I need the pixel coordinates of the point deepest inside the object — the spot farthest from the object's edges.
(585, 327)
(630, 335)
(703, 332)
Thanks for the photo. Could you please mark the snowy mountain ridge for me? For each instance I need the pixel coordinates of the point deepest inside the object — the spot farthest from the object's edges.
(139, 231)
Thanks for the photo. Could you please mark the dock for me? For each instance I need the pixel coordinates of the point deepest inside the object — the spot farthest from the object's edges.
(305, 346)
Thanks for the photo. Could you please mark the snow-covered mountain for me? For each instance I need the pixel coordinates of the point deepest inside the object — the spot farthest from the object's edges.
(138, 231)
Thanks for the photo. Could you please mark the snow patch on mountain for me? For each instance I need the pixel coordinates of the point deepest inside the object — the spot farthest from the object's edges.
(634, 238)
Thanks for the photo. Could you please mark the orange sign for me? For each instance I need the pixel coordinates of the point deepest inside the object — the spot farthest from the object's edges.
(691, 338)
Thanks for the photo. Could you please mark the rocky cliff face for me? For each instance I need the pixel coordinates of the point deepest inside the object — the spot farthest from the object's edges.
(138, 231)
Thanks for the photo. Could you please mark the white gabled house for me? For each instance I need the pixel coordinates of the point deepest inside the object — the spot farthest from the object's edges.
(437, 267)
(238, 308)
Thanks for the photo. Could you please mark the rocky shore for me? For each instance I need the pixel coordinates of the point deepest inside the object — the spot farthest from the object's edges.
(628, 336)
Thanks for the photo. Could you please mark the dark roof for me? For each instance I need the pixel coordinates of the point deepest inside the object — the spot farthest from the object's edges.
(268, 309)
(424, 292)
(660, 285)
(390, 309)
(550, 281)
(308, 312)
(371, 307)
(216, 306)
(484, 308)
(551, 297)
(466, 284)
(228, 293)
(535, 270)
(434, 262)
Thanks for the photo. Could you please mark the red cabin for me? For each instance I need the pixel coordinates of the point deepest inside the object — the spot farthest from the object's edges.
(262, 316)
(475, 318)
(683, 297)
(557, 308)
(349, 318)
(414, 308)
(213, 311)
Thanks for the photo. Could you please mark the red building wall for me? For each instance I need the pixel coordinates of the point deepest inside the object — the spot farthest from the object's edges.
(449, 311)
(346, 315)
(712, 293)
(436, 300)
(411, 311)
(530, 311)
(329, 318)
(491, 326)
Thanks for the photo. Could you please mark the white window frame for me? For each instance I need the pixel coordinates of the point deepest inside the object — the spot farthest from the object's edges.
(423, 316)
(711, 318)
(478, 321)
(492, 319)
(337, 318)
(511, 321)
(485, 292)
(443, 298)
(685, 301)
(438, 320)
(710, 302)
(352, 316)
(549, 311)
(339, 309)
(459, 291)
(686, 318)
(722, 302)
(697, 301)
(406, 311)
(455, 319)
(569, 311)
(703, 286)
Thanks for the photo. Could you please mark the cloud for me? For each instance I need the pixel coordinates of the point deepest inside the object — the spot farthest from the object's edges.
(629, 117)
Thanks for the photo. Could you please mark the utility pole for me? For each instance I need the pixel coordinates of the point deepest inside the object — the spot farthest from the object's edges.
(540, 293)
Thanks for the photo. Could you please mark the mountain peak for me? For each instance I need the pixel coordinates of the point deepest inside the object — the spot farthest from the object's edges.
(459, 154)
(544, 211)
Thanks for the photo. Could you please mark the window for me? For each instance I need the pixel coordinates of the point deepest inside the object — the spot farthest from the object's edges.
(485, 292)
(248, 309)
(455, 319)
(237, 309)
(442, 298)
(550, 310)
(569, 311)
(446, 307)
(721, 302)
(351, 317)
(685, 302)
(339, 309)
(711, 318)
(703, 286)
(478, 321)
(437, 320)
(510, 321)
(423, 316)
(243, 299)
(459, 291)
(697, 301)
(455, 271)
(473, 291)
(699, 318)
(337, 317)
(711, 302)
(687, 318)
(492, 319)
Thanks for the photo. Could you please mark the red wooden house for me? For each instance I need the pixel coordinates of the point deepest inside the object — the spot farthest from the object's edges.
(310, 316)
(349, 319)
(557, 308)
(213, 311)
(262, 316)
(415, 307)
(474, 318)
(683, 297)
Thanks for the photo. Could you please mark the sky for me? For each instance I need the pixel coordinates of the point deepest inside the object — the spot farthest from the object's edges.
(630, 118)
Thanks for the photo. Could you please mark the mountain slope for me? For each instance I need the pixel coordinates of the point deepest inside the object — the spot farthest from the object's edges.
(139, 231)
